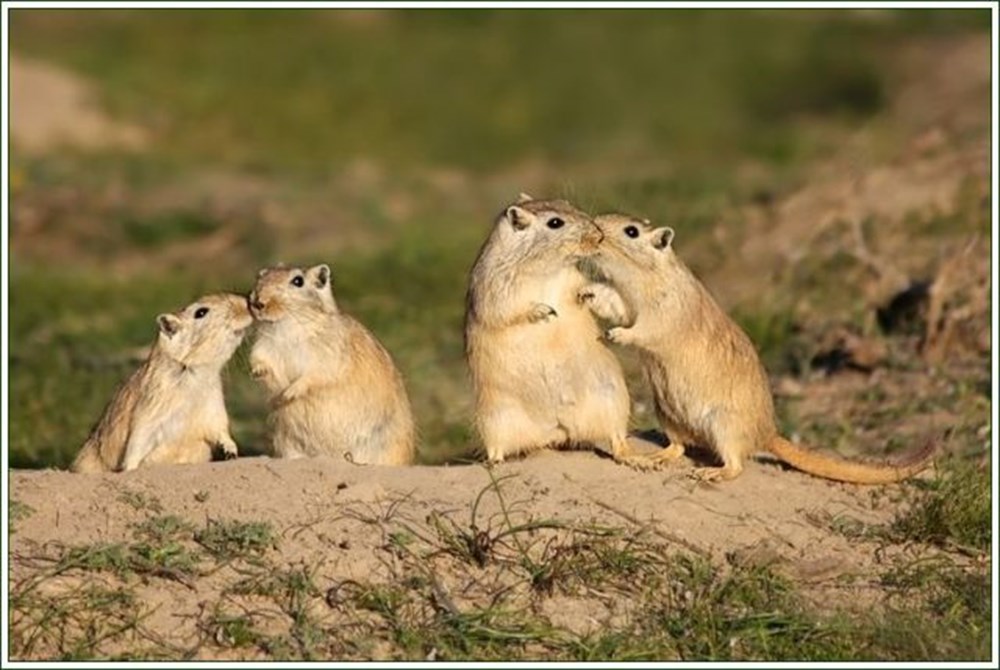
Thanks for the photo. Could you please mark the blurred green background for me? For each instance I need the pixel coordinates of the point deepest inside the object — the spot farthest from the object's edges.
(384, 143)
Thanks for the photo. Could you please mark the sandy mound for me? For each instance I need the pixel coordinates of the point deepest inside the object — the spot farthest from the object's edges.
(766, 502)
(339, 518)
(51, 108)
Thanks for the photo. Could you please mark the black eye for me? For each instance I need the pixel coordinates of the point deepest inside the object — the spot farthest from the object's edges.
(200, 312)
(632, 231)
(298, 281)
(555, 222)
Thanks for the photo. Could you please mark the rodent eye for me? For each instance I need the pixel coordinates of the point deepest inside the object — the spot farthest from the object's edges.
(201, 312)
(632, 231)
(298, 281)
(555, 222)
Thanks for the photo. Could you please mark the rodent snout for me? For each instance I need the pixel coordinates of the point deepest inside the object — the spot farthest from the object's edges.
(254, 303)
(594, 236)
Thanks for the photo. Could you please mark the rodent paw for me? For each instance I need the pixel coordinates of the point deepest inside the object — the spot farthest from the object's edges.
(258, 372)
(542, 312)
(224, 452)
(614, 335)
(584, 297)
(640, 463)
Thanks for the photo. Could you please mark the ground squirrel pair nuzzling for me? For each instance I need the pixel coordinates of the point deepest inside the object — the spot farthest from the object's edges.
(333, 387)
(542, 378)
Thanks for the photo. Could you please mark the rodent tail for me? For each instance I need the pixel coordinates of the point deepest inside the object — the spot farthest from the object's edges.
(831, 467)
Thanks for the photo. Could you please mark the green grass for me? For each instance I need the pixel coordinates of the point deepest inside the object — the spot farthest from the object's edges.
(76, 623)
(18, 511)
(232, 539)
(954, 511)
(166, 227)
(160, 549)
(140, 501)
(171, 559)
(162, 529)
(561, 85)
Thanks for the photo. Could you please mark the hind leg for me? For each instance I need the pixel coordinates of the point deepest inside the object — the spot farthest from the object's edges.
(623, 453)
(509, 431)
(732, 464)
(677, 435)
(668, 454)
(724, 473)
(178, 453)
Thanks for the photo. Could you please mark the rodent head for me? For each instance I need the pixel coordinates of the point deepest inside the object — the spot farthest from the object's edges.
(281, 291)
(630, 242)
(206, 332)
(544, 230)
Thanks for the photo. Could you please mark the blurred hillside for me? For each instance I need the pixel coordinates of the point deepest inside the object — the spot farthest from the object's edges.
(200, 145)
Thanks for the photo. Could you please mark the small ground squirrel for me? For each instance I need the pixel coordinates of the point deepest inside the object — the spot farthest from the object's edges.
(709, 385)
(334, 388)
(541, 375)
(171, 409)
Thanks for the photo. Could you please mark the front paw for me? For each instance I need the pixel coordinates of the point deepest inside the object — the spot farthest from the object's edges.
(224, 451)
(541, 312)
(258, 372)
(617, 335)
(586, 296)
(281, 399)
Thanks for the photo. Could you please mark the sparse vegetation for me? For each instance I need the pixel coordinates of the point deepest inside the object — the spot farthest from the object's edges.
(469, 585)
(74, 625)
(171, 560)
(18, 511)
(140, 501)
(955, 511)
(233, 539)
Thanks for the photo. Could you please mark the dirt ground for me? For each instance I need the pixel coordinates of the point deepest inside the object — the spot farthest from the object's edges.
(338, 516)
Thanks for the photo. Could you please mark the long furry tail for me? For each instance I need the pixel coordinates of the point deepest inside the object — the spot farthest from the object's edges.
(831, 467)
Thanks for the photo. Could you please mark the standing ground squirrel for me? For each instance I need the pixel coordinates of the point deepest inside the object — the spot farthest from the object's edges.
(334, 388)
(540, 373)
(171, 410)
(710, 387)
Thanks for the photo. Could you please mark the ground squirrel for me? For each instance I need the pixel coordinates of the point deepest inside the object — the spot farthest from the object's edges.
(709, 385)
(540, 373)
(334, 388)
(171, 410)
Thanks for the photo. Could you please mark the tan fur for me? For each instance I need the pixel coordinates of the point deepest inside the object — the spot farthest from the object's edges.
(709, 384)
(334, 388)
(541, 376)
(171, 410)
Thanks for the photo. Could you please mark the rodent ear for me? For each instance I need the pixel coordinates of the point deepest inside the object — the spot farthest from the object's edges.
(169, 324)
(320, 275)
(261, 272)
(519, 218)
(524, 197)
(663, 237)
